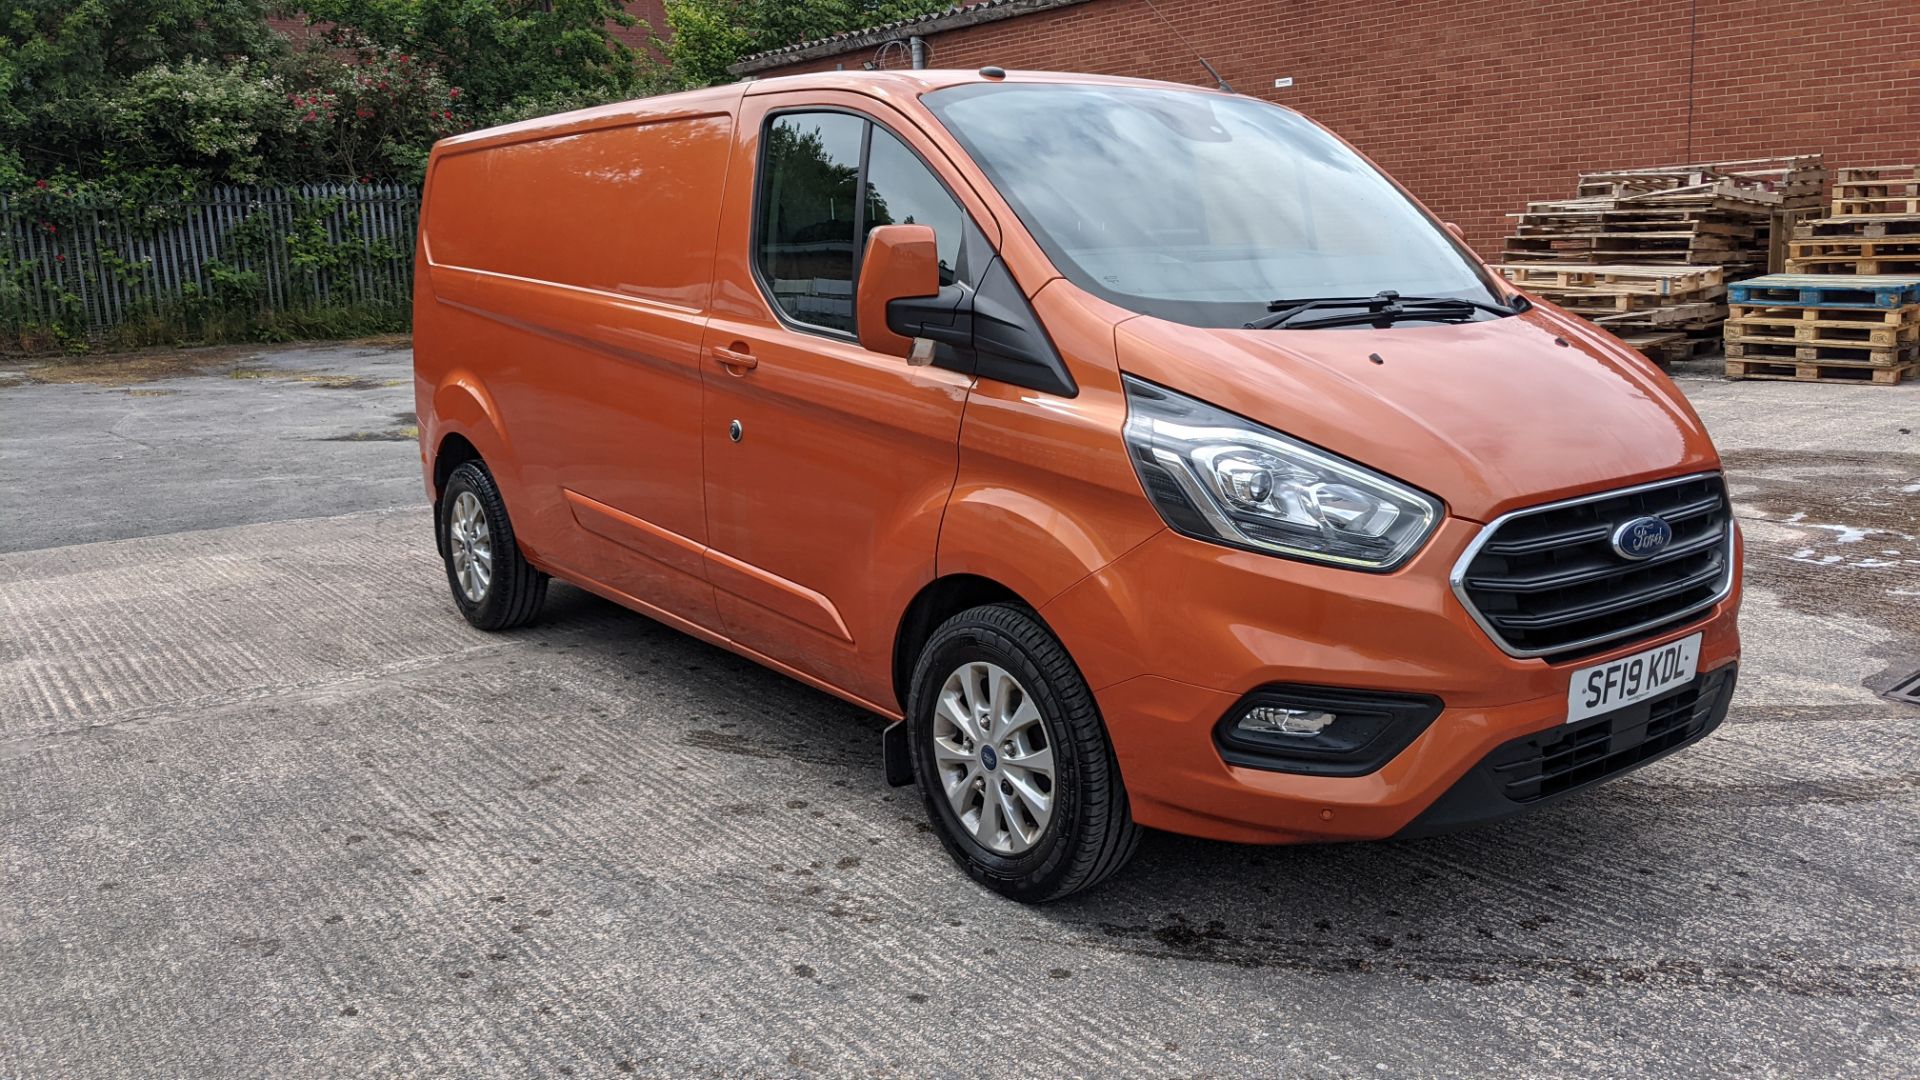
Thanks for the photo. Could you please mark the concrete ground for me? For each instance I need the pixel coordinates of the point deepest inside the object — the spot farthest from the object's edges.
(271, 808)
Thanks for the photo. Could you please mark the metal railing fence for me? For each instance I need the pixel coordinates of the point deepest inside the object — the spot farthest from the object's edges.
(281, 247)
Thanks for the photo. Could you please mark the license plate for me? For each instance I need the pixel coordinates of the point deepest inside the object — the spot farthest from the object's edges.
(1618, 683)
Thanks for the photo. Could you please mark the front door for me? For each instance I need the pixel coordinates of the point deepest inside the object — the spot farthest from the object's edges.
(827, 466)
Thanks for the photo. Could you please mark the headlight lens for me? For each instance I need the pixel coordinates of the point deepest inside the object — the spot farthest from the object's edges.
(1216, 476)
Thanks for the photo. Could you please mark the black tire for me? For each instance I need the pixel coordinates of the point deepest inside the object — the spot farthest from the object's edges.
(1091, 833)
(513, 595)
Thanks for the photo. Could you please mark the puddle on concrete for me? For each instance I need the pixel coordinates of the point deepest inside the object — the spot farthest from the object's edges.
(1834, 532)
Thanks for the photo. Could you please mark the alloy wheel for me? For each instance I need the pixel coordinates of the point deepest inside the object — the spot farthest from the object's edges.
(994, 759)
(472, 547)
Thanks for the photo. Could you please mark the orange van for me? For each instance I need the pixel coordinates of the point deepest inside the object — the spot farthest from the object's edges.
(1141, 451)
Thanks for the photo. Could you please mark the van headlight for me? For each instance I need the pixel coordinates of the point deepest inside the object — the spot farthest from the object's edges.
(1218, 477)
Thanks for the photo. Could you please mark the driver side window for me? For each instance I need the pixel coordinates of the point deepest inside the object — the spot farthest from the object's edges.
(826, 180)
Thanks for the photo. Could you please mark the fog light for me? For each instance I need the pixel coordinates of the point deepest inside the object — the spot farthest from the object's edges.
(1272, 719)
(1321, 730)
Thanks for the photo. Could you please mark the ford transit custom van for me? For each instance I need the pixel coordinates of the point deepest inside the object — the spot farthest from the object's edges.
(1141, 452)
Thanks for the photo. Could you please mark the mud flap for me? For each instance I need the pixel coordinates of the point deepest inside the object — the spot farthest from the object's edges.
(895, 752)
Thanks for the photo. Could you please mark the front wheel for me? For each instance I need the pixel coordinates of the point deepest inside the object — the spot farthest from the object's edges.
(1011, 755)
(493, 584)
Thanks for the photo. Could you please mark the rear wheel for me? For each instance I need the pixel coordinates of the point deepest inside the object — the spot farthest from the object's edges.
(1011, 755)
(493, 584)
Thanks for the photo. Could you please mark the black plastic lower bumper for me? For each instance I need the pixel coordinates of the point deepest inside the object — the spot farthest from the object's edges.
(1537, 769)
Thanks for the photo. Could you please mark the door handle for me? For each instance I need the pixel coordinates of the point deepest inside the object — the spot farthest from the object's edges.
(737, 360)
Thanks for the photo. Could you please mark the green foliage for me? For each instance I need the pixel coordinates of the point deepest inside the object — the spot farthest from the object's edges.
(708, 35)
(500, 53)
(122, 109)
(139, 91)
(202, 116)
(76, 78)
(369, 112)
(705, 36)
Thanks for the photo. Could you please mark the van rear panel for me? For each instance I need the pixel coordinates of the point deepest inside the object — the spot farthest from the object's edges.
(567, 268)
(629, 209)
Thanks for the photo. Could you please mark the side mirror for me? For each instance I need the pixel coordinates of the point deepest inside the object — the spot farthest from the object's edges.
(1454, 228)
(902, 262)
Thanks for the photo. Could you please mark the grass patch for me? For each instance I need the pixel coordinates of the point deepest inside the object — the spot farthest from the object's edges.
(184, 326)
(405, 434)
(143, 366)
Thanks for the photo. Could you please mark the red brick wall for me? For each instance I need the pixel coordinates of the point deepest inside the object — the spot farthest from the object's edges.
(1481, 105)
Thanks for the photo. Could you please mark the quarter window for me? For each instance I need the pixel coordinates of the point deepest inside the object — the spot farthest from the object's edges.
(818, 203)
(900, 191)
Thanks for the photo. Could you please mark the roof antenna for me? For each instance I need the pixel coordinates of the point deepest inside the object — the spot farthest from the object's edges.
(1151, 6)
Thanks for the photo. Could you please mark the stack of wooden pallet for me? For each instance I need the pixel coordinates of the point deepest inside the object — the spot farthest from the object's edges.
(1712, 214)
(1650, 307)
(1710, 223)
(1875, 227)
(1824, 328)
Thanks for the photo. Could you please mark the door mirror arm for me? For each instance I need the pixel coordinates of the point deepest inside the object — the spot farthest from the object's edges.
(945, 318)
(987, 328)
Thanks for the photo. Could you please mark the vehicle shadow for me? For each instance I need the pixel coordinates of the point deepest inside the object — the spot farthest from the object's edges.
(1608, 886)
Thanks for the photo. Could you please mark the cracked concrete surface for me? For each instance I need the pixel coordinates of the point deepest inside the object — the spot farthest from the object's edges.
(271, 808)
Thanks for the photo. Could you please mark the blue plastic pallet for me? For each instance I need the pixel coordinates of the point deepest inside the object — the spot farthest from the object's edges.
(1827, 290)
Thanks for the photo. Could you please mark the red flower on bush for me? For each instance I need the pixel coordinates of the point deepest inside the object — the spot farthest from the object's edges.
(41, 184)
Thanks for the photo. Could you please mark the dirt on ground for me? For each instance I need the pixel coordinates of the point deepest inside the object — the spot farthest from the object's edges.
(155, 364)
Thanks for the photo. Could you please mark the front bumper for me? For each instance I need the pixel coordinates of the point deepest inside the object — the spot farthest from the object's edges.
(1175, 632)
(1535, 770)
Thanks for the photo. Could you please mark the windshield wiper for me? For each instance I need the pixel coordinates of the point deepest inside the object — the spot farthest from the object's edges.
(1383, 307)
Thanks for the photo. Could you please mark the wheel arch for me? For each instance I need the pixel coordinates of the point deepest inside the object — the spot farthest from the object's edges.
(464, 422)
(936, 602)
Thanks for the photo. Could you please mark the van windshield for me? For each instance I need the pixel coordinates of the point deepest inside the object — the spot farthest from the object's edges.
(1197, 207)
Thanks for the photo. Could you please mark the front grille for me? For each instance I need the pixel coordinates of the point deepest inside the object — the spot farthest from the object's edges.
(1544, 765)
(1547, 581)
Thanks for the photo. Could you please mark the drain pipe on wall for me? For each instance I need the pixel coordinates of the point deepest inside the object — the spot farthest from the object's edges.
(917, 48)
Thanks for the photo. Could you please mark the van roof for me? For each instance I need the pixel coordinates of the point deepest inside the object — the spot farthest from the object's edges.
(899, 83)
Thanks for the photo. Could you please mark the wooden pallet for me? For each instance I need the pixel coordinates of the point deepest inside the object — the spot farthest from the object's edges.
(1781, 225)
(1834, 291)
(1884, 204)
(1654, 345)
(1670, 348)
(1825, 316)
(1820, 332)
(1675, 315)
(1877, 189)
(1620, 304)
(1621, 280)
(1861, 226)
(1749, 348)
(1881, 265)
(1820, 372)
(1854, 247)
